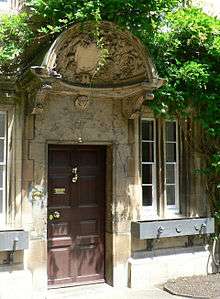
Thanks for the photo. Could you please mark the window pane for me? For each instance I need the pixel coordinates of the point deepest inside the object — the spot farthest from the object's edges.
(2, 125)
(147, 152)
(146, 174)
(170, 195)
(171, 152)
(1, 176)
(147, 196)
(1, 150)
(1, 201)
(170, 174)
(147, 130)
(170, 131)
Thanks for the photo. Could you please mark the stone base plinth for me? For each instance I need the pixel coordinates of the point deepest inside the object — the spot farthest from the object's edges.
(156, 267)
(16, 284)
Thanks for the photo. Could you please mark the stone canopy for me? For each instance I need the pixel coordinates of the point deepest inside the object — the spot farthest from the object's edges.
(77, 58)
(77, 65)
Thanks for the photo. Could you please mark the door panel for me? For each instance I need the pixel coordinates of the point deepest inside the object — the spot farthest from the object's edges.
(76, 207)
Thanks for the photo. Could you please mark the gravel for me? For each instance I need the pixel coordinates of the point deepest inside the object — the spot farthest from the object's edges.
(202, 287)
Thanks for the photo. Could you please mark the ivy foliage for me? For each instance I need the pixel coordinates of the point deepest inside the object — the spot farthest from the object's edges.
(140, 17)
(187, 52)
(43, 20)
(188, 55)
(15, 33)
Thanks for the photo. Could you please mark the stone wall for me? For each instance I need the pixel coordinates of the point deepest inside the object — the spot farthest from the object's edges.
(101, 122)
(62, 122)
(14, 276)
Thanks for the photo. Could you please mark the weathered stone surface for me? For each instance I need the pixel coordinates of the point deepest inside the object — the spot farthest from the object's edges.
(16, 284)
(76, 56)
(157, 266)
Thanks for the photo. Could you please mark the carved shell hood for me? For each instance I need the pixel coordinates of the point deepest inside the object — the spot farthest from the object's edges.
(77, 58)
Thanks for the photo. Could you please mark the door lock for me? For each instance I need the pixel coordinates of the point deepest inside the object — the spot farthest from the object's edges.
(75, 174)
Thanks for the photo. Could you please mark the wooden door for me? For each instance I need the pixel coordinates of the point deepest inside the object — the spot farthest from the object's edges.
(76, 209)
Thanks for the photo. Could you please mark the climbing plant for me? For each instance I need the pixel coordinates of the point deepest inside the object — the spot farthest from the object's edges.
(15, 34)
(187, 51)
(43, 20)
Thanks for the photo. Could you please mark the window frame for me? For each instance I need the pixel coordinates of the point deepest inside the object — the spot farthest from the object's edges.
(169, 210)
(4, 164)
(153, 208)
(172, 209)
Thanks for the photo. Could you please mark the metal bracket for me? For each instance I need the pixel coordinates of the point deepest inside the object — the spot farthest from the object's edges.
(150, 244)
(11, 254)
(190, 241)
(11, 240)
(155, 229)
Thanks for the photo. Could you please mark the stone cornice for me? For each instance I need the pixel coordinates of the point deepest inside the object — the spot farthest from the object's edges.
(52, 83)
(40, 83)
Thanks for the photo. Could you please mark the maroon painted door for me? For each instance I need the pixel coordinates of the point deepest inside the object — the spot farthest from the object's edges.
(76, 209)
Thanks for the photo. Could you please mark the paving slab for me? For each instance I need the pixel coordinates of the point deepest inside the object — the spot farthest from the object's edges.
(104, 291)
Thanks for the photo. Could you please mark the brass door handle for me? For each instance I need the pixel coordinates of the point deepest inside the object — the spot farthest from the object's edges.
(54, 215)
(75, 174)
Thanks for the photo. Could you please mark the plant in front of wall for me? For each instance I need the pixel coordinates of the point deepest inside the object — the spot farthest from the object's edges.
(23, 36)
(15, 34)
(188, 56)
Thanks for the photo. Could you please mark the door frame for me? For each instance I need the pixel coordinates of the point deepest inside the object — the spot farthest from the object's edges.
(109, 174)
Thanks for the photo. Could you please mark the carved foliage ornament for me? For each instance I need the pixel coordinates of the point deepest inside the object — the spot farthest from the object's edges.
(82, 102)
(76, 56)
(37, 98)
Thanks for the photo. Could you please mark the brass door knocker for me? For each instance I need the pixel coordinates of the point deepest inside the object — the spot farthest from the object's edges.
(75, 174)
